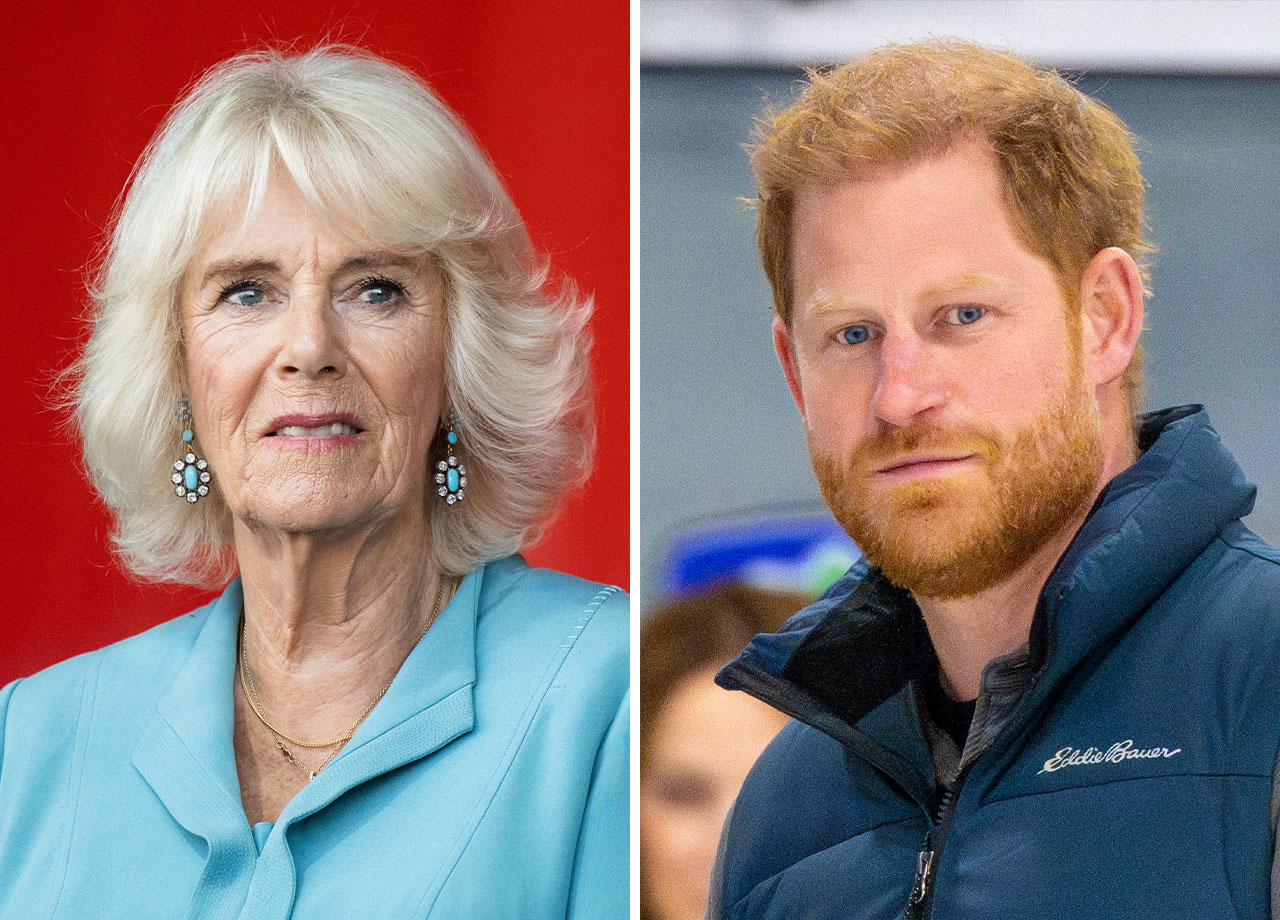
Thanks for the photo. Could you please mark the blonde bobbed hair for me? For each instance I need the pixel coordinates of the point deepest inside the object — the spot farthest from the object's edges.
(367, 144)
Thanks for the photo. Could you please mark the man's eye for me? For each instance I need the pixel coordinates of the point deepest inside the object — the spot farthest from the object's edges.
(963, 316)
(855, 335)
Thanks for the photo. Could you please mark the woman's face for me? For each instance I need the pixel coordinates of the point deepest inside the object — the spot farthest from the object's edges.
(315, 368)
(699, 750)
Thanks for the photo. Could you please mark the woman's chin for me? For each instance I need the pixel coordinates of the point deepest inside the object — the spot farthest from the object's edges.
(312, 515)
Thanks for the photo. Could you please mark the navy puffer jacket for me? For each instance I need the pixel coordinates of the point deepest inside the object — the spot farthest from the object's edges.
(1132, 779)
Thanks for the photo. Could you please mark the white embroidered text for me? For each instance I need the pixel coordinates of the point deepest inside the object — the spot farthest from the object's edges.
(1117, 753)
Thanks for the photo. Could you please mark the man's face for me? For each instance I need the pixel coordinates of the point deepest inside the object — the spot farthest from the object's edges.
(939, 373)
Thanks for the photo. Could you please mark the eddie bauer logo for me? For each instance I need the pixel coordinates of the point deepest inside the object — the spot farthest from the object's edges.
(1117, 753)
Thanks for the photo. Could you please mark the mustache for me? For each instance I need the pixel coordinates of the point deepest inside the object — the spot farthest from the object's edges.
(895, 445)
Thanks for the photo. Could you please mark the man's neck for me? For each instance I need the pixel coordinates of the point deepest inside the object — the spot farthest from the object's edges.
(969, 632)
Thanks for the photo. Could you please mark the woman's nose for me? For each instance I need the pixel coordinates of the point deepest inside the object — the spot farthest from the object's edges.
(311, 344)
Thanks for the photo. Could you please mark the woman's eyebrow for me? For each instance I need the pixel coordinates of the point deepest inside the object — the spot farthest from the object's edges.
(241, 267)
(224, 268)
(375, 260)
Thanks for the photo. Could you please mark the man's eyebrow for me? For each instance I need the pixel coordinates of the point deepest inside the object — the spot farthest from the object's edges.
(237, 267)
(960, 284)
(827, 303)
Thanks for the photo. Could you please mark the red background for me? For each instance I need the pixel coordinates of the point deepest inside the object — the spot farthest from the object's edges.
(543, 84)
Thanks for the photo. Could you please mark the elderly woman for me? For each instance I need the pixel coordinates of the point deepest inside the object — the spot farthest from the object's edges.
(322, 355)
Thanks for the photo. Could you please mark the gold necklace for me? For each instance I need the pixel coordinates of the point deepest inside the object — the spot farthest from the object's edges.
(447, 587)
(251, 694)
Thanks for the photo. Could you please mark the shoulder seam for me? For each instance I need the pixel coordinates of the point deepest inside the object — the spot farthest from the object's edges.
(1239, 546)
(588, 612)
(534, 703)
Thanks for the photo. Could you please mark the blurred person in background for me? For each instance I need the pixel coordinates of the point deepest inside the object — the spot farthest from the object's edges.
(1052, 689)
(697, 742)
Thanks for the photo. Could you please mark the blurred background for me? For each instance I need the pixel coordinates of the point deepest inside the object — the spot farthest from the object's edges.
(725, 485)
(543, 84)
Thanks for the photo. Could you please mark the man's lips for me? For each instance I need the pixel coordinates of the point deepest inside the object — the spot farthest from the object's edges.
(924, 465)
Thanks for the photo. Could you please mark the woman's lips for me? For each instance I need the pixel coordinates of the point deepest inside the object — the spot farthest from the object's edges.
(327, 430)
(323, 431)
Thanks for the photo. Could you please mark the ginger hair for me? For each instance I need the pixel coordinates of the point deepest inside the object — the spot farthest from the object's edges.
(1072, 184)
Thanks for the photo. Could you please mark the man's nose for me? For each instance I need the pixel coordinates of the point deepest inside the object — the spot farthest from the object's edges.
(909, 379)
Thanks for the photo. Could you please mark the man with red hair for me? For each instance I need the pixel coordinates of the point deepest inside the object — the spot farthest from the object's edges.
(1052, 688)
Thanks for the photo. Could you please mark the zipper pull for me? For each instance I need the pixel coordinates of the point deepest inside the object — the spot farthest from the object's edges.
(924, 871)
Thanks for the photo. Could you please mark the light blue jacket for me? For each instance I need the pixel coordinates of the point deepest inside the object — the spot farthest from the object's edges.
(490, 782)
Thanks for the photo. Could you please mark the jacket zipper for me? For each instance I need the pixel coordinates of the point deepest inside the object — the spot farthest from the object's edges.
(920, 887)
(920, 899)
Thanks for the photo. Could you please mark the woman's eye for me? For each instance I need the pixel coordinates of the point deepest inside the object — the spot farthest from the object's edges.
(377, 291)
(243, 294)
(963, 316)
(855, 335)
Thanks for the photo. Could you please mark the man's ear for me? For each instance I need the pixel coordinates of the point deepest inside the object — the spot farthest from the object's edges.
(787, 358)
(1111, 306)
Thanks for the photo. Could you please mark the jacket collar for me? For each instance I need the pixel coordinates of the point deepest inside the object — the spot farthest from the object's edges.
(858, 645)
(186, 751)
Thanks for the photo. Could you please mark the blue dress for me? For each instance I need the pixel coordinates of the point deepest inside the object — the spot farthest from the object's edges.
(491, 781)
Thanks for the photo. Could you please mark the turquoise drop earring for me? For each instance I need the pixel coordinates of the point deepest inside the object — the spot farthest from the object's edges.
(190, 474)
(451, 476)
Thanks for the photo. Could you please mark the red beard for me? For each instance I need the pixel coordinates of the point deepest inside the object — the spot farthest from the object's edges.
(955, 535)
